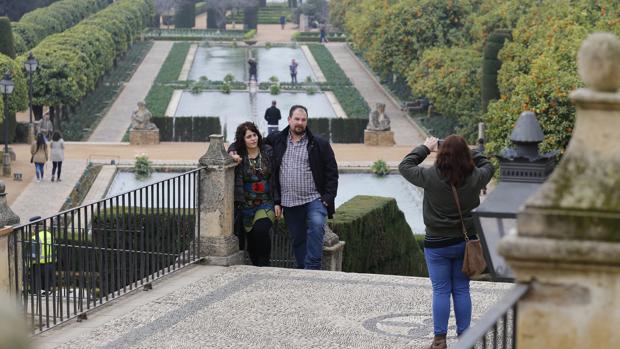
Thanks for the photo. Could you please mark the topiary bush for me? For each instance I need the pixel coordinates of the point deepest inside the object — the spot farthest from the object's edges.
(378, 238)
(7, 44)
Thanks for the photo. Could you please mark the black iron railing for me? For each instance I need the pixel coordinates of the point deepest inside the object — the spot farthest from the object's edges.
(498, 327)
(79, 259)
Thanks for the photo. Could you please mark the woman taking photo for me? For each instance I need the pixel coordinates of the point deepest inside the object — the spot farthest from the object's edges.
(254, 190)
(444, 242)
(38, 149)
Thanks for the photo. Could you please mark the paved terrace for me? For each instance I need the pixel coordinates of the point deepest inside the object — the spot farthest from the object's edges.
(249, 307)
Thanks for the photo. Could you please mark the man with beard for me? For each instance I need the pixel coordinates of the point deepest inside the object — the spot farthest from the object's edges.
(307, 182)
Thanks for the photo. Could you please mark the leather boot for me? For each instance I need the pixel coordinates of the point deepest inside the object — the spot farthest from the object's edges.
(439, 342)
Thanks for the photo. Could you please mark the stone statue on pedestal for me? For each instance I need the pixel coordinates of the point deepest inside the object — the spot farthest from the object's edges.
(141, 118)
(378, 120)
(142, 130)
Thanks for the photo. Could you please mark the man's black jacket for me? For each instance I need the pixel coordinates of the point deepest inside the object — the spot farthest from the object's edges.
(322, 164)
(272, 115)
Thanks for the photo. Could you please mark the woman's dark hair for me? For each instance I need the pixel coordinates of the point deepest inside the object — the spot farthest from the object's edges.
(40, 141)
(454, 160)
(240, 136)
(56, 136)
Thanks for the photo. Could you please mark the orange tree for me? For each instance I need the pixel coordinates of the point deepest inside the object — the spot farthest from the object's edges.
(539, 69)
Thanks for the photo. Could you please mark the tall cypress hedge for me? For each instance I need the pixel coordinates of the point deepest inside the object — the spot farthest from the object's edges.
(250, 19)
(378, 238)
(491, 65)
(7, 45)
(185, 15)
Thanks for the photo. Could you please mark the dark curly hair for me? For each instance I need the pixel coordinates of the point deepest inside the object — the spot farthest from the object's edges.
(240, 136)
(454, 160)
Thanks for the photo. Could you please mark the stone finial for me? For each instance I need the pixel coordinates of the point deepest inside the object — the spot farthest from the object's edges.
(598, 62)
(7, 216)
(216, 155)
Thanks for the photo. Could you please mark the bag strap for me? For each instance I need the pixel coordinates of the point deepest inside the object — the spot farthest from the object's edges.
(458, 206)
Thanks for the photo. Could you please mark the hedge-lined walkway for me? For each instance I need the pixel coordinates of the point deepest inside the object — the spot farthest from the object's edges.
(114, 124)
(405, 130)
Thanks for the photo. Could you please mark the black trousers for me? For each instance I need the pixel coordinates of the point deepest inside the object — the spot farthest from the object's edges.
(56, 165)
(259, 243)
(43, 276)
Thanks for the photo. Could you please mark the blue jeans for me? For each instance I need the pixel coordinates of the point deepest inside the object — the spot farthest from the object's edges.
(444, 267)
(306, 226)
(38, 167)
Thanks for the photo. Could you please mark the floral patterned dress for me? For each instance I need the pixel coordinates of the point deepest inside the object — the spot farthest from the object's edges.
(257, 190)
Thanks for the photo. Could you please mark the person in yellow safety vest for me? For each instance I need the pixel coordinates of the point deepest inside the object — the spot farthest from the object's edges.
(42, 260)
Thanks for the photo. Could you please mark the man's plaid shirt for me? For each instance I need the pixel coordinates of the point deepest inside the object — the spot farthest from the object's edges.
(296, 182)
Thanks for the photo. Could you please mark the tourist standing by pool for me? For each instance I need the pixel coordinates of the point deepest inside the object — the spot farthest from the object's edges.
(293, 70)
(451, 186)
(254, 191)
(253, 69)
(272, 116)
(307, 183)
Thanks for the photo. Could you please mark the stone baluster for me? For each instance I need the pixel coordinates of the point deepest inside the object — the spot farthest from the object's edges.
(567, 243)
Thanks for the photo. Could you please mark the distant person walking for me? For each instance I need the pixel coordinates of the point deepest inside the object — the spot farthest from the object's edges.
(254, 191)
(451, 186)
(253, 69)
(307, 183)
(293, 70)
(38, 149)
(46, 127)
(57, 148)
(282, 21)
(323, 34)
(272, 116)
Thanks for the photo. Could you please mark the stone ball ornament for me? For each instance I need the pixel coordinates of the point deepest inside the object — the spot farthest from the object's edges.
(598, 62)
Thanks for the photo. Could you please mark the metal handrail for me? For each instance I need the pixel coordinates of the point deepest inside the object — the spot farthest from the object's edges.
(479, 331)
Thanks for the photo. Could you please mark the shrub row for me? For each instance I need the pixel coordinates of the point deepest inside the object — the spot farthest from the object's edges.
(187, 128)
(378, 238)
(70, 63)
(339, 130)
(40, 23)
(18, 100)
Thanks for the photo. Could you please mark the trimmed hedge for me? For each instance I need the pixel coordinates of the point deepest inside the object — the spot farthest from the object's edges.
(348, 130)
(70, 63)
(320, 127)
(187, 128)
(491, 66)
(37, 25)
(378, 238)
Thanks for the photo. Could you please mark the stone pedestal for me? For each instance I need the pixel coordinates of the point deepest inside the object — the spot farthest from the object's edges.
(567, 244)
(379, 138)
(143, 137)
(333, 249)
(218, 244)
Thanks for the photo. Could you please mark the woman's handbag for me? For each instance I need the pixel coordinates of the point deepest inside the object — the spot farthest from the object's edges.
(473, 261)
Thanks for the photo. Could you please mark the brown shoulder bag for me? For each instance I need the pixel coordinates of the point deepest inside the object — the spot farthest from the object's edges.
(473, 261)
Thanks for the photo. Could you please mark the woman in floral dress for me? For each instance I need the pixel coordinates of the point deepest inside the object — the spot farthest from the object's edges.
(254, 190)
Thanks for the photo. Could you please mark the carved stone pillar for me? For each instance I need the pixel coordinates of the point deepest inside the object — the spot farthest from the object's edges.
(568, 234)
(216, 189)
